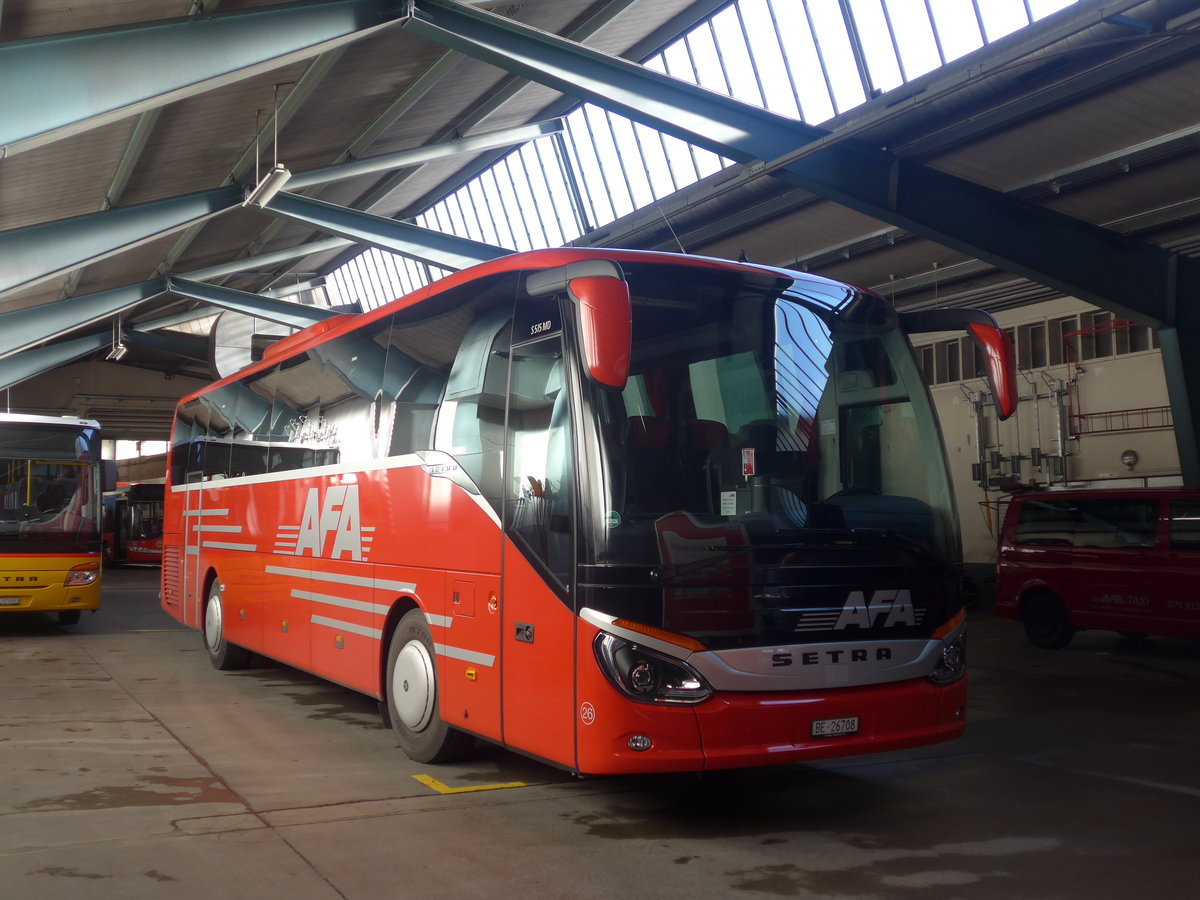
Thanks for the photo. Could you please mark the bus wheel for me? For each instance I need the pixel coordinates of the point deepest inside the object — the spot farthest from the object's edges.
(1046, 622)
(68, 617)
(412, 696)
(222, 654)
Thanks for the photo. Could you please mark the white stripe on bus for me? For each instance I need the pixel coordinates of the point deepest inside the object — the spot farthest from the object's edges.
(222, 545)
(407, 461)
(405, 587)
(337, 624)
(471, 656)
(344, 602)
(206, 512)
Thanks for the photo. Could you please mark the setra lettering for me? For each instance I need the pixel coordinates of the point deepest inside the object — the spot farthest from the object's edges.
(856, 654)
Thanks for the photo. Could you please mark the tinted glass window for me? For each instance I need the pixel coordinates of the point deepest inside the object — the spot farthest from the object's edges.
(1046, 523)
(540, 463)
(328, 401)
(1116, 523)
(1185, 525)
(1099, 523)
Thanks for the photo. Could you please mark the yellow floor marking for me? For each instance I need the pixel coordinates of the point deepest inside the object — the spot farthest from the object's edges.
(431, 782)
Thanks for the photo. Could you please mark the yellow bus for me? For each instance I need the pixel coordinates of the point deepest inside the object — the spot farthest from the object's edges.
(50, 509)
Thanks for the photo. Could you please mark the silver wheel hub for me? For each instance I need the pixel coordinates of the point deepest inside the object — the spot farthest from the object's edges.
(413, 686)
(212, 623)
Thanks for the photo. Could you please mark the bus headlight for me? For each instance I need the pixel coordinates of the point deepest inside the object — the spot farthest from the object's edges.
(951, 663)
(647, 676)
(84, 574)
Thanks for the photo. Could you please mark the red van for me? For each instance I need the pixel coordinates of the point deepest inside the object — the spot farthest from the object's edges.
(1123, 559)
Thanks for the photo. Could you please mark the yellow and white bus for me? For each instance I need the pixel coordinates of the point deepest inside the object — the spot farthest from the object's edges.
(50, 509)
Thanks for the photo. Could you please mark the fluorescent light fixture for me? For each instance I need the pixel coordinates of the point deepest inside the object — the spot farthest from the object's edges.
(117, 352)
(271, 184)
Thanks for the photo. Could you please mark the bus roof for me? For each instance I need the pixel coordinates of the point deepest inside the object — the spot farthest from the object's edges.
(513, 262)
(30, 419)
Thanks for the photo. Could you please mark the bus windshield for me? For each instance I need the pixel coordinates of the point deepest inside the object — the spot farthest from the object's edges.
(767, 424)
(48, 499)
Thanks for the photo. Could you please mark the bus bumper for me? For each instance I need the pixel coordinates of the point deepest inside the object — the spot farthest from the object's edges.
(890, 717)
(49, 584)
(737, 730)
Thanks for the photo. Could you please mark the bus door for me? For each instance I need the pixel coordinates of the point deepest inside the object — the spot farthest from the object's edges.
(538, 622)
(193, 587)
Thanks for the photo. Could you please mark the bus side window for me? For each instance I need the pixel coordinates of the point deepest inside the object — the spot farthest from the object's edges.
(470, 423)
(540, 461)
(415, 411)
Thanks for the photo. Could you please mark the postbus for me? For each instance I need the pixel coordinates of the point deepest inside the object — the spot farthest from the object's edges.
(620, 511)
(133, 517)
(50, 506)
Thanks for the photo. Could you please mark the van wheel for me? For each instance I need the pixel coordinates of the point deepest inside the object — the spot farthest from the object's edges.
(222, 654)
(412, 696)
(1046, 622)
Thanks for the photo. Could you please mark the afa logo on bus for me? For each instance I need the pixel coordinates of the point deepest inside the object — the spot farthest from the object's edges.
(331, 526)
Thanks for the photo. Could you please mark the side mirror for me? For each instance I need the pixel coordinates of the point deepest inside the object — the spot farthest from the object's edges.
(600, 293)
(989, 337)
(108, 475)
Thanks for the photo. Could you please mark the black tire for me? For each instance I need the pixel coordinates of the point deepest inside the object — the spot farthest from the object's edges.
(222, 654)
(412, 696)
(1046, 622)
(68, 617)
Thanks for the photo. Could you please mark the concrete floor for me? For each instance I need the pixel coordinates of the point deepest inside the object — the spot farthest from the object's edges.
(132, 769)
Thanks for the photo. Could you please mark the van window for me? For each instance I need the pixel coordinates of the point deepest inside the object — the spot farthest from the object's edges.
(1088, 523)
(1046, 523)
(1116, 523)
(1185, 525)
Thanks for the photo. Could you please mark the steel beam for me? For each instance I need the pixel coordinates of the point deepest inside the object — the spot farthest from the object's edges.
(1127, 276)
(1181, 364)
(434, 247)
(265, 260)
(74, 82)
(506, 137)
(1079, 259)
(40, 252)
(25, 328)
(281, 311)
(17, 368)
(167, 344)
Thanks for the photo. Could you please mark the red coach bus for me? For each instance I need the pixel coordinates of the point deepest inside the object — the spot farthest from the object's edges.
(133, 517)
(620, 511)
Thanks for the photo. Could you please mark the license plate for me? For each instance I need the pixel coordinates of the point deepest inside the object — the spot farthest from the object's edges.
(835, 727)
(10, 601)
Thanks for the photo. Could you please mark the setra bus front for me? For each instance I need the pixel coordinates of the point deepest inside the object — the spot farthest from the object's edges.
(50, 507)
(767, 563)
